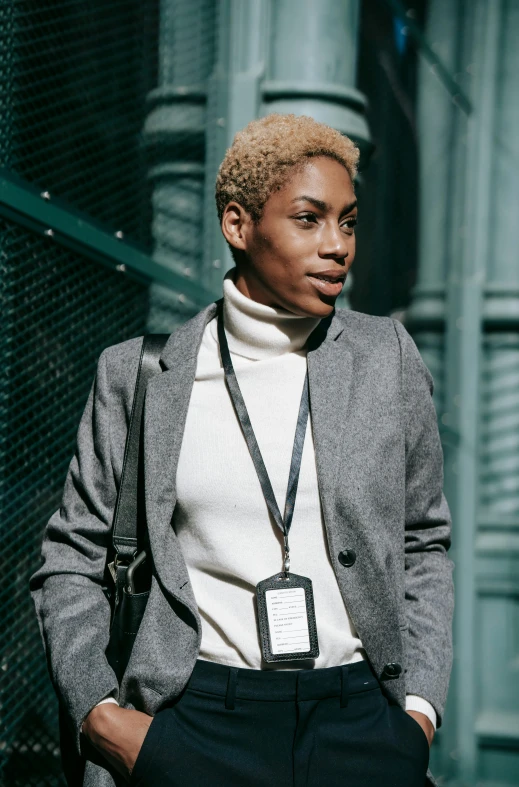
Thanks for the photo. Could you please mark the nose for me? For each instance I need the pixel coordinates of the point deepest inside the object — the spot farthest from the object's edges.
(334, 243)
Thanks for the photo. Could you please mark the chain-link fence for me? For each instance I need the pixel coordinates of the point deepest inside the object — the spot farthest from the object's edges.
(59, 312)
(74, 78)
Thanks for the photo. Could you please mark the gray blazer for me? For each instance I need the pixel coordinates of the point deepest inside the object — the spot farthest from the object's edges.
(380, 473)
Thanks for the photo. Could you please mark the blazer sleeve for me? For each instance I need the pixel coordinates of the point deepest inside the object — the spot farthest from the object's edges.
(429, 593)
(72, 609)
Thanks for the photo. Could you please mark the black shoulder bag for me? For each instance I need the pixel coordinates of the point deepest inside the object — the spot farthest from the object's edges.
(130, 567)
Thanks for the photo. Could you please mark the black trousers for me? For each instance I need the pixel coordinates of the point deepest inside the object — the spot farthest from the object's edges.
(298, 728)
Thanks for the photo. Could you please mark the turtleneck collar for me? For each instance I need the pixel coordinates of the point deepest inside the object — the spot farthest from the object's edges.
(257, 331)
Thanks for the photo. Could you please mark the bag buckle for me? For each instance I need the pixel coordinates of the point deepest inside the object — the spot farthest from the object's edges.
(130, 571)
(120, 562)
(114, 565)
(131, 568)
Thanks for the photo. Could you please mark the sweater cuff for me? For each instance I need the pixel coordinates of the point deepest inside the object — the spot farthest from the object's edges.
(102, 702)
(414, 702)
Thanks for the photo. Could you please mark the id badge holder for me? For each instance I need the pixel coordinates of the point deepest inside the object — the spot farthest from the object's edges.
(286, 616)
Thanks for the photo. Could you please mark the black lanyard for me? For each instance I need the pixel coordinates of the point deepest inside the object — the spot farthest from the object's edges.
(285, 522)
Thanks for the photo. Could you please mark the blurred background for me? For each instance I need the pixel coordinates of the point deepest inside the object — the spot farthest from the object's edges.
(114, 117)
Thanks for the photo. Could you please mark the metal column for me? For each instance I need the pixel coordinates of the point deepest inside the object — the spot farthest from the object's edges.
(174, 134)
(234, 101)
(313, 62)
(468, 292)
(437, 115)
(495, 234)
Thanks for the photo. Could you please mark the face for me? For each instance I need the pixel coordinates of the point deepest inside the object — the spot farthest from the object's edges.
(298, 255)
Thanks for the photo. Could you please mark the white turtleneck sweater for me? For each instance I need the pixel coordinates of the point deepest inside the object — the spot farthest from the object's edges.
(227, 535)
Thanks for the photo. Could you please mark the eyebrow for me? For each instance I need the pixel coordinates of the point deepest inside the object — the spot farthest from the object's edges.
(323, 206)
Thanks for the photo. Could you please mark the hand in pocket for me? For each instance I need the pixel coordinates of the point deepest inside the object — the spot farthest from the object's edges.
(118, 734)
(424, 722)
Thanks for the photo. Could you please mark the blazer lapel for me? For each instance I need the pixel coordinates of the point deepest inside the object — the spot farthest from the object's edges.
(329, 378)
(165, 411)
(337, 369)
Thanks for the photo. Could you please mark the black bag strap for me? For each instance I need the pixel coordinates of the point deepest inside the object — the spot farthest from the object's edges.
(126, 516)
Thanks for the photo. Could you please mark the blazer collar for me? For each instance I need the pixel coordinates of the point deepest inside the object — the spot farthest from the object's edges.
(185, 342)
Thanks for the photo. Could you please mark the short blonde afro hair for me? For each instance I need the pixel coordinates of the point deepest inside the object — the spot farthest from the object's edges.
(261, 156)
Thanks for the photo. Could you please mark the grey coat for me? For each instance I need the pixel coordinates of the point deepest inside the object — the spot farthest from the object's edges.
(380, 473)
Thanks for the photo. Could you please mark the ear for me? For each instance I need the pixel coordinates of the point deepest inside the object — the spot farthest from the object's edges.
(235, 225)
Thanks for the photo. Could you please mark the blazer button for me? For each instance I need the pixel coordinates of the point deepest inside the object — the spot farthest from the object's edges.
(392, 670)
(347, 557)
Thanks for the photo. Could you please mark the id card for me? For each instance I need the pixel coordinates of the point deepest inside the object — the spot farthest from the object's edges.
(286, 616)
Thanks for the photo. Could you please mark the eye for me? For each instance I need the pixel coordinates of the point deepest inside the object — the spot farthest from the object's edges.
(306, 218)
(349, 224)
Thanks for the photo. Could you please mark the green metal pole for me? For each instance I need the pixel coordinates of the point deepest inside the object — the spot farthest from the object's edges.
(469, 285)
(436, 123)
(175, 138)
(312, 64)
(234, 101)
(444, 318)
(497, 537)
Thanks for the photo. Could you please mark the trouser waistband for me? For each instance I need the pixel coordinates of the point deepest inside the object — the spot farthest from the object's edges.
(286, 685)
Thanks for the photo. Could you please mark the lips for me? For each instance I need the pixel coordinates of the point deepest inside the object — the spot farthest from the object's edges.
(328, 282)
(332, 275)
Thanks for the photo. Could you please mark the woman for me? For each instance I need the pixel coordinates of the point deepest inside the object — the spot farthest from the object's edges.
(247, 670)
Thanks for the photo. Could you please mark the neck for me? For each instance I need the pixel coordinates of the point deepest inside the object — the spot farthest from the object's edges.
(255, 330)
(254, 291)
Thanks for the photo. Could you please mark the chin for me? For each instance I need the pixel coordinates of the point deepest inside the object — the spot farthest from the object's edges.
(318, 308)
(324, 310)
